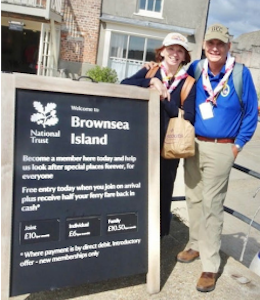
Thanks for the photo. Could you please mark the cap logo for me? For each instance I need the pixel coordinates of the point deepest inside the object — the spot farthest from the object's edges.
(216, 28)
(178, 38)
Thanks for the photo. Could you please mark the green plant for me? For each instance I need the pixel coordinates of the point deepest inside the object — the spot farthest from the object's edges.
(105, 74)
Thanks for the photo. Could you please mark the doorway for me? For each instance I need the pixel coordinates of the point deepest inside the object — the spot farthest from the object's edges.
(19, 50)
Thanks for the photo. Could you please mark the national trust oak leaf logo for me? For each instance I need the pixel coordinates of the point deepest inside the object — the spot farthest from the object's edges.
(45, 116)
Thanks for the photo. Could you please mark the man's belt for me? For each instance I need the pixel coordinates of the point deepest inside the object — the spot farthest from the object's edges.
(224, 141)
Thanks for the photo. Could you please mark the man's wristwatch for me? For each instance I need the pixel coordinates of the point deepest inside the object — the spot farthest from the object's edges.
(238, 147)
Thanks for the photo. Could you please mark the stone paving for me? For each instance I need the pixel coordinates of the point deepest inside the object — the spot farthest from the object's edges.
(178, 280)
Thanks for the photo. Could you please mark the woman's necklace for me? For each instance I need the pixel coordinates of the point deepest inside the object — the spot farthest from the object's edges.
(171, 78)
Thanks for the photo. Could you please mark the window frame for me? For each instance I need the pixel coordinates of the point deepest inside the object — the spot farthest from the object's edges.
(149, 13)
(126, 58)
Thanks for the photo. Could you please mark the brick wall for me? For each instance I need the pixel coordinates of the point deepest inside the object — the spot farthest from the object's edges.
(80, 30)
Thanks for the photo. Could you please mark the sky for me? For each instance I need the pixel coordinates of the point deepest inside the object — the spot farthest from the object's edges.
(240, 16)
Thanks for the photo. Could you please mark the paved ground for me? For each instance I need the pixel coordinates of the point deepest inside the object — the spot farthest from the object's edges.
(178, 281)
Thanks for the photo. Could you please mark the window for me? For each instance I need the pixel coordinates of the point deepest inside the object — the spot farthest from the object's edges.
(128, 53)
(151, 5)
(150, 49)
(136, 48)
(150, 8)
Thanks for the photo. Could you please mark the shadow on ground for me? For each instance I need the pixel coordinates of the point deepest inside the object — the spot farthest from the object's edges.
(233, 244)
(170, 246)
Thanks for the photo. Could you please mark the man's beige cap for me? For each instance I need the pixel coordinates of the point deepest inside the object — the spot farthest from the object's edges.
(217, 31)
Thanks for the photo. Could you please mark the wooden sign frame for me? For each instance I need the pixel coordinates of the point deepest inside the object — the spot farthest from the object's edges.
(12, 82)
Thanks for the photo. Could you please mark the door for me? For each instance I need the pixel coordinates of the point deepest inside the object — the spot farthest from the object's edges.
(49, 50)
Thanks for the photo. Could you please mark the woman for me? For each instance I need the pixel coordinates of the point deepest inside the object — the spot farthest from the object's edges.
(168, 80)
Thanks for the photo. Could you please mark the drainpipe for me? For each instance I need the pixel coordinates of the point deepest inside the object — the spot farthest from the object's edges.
(207, 17)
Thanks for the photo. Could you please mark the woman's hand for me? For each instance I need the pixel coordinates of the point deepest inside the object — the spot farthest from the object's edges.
(150, 65)
(160, 87)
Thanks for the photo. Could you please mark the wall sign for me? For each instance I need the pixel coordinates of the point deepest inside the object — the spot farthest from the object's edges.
(80, 198)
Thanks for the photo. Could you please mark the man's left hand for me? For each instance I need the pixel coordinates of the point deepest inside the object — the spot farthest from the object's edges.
(235, 151)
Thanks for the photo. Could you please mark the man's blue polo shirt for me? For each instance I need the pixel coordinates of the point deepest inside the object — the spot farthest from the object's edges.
(228, 120)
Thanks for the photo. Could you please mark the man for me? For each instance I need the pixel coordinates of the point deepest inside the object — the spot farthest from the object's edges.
(222, 126)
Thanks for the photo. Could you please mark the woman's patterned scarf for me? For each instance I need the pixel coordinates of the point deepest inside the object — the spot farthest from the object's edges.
(181, 73)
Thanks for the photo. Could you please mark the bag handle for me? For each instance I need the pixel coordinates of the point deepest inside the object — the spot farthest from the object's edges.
(152, 72)
(188, 84)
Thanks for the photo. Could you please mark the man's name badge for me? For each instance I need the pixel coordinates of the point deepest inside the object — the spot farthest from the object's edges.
(206, 110)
